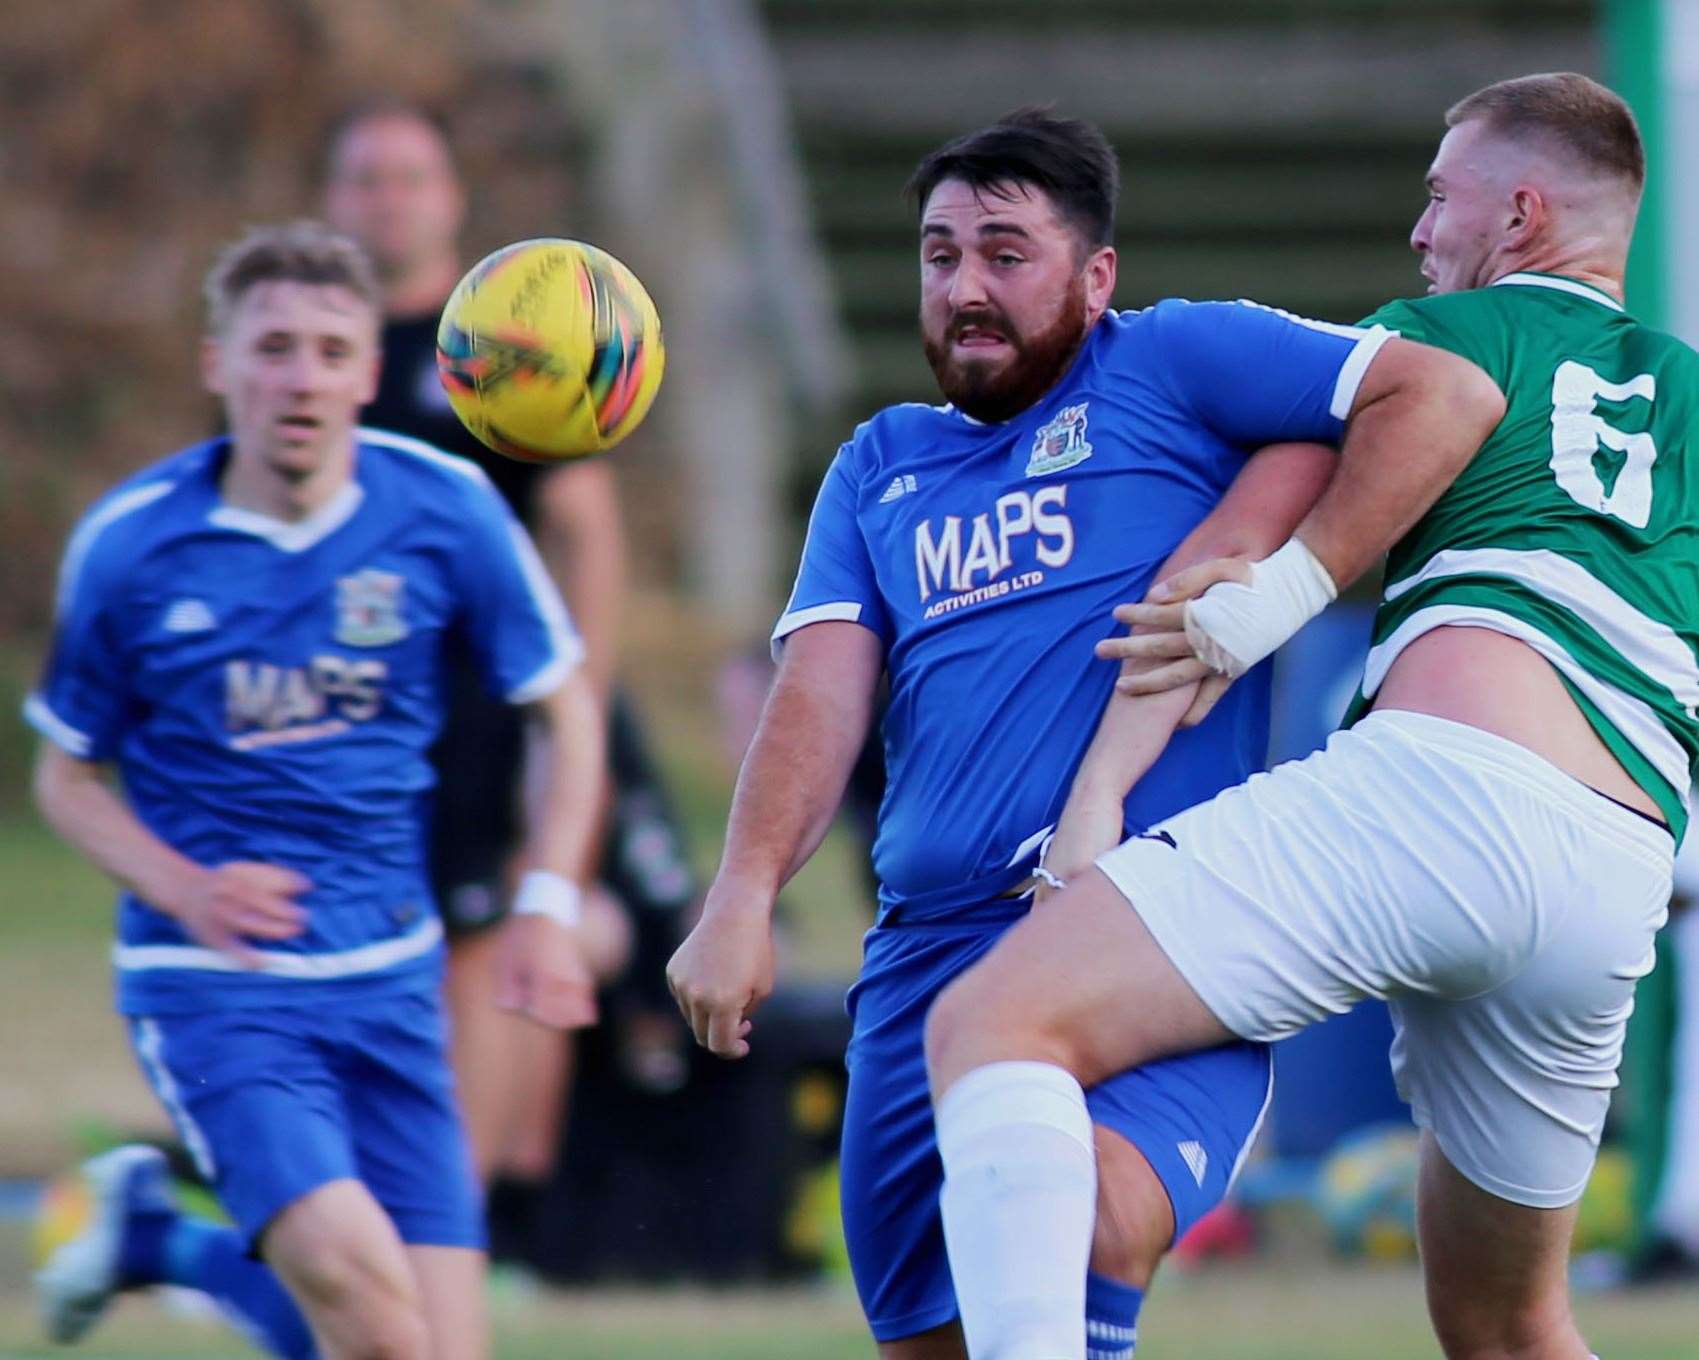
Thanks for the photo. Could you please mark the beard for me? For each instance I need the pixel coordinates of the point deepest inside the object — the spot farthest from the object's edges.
(975, 388)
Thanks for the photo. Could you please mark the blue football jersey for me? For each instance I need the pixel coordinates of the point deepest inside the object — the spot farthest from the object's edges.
(987, 559)
(269, 692)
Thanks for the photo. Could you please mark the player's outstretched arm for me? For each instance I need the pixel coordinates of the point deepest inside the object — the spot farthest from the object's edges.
(1418, 418)
(223, 907)
(543, 969)
(812, 727)
(1274, 491)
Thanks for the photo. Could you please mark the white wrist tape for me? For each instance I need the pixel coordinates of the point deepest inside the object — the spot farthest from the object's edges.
(542, 893)
(1232, 627)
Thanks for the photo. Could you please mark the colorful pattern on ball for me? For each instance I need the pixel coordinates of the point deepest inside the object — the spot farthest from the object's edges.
(550, 349)
(616, 371)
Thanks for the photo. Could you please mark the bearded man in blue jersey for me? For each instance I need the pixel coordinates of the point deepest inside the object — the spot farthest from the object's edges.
(253, 633)
(973, 553)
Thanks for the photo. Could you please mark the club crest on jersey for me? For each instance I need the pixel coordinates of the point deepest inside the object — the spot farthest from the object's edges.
(1060, 444)
(368, 609)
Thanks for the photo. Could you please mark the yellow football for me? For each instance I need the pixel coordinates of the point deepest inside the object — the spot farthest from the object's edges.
(550, 349)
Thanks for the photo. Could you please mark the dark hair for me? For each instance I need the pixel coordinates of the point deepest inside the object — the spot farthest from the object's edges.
(1580, 115)
(1068, 158)
(294, 252)
(378, 109)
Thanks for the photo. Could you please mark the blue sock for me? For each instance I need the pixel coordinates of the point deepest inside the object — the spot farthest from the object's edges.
(170, 1248)
(141, 1255)
(1111, 1317)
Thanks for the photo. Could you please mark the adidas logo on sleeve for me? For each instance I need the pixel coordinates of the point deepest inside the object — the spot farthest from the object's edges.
(900, 486)
(189, 616)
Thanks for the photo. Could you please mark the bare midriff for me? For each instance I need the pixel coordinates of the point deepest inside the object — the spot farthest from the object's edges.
(1496, 683)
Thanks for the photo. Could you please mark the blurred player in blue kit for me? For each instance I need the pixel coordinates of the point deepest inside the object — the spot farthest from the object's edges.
(973, 553)
(253, 632)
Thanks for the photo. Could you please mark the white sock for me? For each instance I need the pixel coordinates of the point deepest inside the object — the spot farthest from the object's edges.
(1019, 1203)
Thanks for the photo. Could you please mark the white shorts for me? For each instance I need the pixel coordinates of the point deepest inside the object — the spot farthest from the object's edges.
(1503, 908)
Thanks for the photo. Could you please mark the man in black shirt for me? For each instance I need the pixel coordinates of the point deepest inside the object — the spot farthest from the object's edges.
(391, 183)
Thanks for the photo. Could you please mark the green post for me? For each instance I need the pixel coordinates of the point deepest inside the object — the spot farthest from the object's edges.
(1634, 45)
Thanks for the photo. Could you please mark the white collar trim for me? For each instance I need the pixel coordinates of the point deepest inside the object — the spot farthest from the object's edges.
(1561, 285)
(293, 536)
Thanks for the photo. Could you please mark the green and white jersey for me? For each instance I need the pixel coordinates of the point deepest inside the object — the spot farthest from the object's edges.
(1576, 526)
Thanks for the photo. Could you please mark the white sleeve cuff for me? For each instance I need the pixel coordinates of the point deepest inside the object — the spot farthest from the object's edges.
(568, 657)
(55, 728)
(1356, 365)
(840, 611)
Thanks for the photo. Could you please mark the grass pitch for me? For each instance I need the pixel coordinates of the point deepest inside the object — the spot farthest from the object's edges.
(1309, 1310)
(64, 1066)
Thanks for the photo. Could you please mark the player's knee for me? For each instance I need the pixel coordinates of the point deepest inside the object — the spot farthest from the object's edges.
(395, 1334)
(368, 1326)
(964, 1030)
(1506, 1331)
(973, 1022)
(1135, 1221)
(369, 1309)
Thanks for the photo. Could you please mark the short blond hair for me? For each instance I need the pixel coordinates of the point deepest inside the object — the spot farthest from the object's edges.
(303, 251)
(1587, 120)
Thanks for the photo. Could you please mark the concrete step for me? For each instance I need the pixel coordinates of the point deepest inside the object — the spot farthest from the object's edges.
(1173, 78)
(1270, 148)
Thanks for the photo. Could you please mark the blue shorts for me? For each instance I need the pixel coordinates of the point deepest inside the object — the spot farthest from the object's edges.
(273, 1102)
(1192, 1117)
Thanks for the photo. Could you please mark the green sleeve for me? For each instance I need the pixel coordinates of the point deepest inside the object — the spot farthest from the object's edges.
(1455, 322)
(1397, 315)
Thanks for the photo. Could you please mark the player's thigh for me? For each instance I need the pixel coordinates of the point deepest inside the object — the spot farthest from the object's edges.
(339, 1255)
(451, 1289)
(1496, 1272)
(409, 1143)
(890, 1171)
(1272, 905)
(1082, 983)
(256, 1101)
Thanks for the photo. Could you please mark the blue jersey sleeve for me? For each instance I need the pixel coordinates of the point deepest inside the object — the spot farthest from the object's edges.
(83, 702)
(836, 579)
(1256, 375)
(521, 634)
